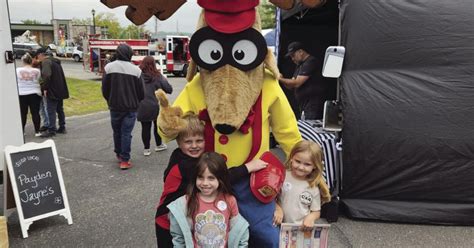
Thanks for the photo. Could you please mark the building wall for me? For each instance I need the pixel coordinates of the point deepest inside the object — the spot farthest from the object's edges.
(49, 33)
(43, 32)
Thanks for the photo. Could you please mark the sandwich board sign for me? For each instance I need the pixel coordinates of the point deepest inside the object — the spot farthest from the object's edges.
(37, 183)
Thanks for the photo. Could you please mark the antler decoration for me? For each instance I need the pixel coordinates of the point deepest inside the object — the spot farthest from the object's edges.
(139, 11)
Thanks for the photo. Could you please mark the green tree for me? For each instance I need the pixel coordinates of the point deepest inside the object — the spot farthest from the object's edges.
(133, 32)
(84, 21)
(30, 21)
(267, 14)
(109, 20)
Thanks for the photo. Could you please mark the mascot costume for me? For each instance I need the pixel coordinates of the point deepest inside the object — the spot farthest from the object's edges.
(236, 93)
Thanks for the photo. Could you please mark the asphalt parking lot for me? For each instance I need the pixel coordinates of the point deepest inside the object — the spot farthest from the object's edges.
(116, 208)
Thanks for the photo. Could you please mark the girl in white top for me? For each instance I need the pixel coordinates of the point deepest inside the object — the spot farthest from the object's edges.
(304, 189)
(29, 91)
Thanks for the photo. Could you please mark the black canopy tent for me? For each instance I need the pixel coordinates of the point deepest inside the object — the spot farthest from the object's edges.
(408, 105)
(407, 90)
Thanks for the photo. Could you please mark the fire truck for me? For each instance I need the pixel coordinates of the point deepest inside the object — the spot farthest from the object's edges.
(102, 50)
(177, 54)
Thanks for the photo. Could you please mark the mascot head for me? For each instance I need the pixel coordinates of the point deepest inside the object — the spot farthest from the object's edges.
(228, 49)
(231, 57)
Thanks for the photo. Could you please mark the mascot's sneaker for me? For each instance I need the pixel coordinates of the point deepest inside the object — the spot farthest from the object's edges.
(146, 152)
(125, 165)
(161, 147)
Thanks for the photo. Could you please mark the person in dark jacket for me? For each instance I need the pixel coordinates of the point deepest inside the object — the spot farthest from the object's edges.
(149, 108)
(122, 87)
(54, 88)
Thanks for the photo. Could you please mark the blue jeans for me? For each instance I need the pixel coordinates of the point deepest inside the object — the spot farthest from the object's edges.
(53, 107)
(44, 111)
(259, 216)
(122, 125)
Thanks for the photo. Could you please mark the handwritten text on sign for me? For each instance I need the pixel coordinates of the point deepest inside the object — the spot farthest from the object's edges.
(37, 181)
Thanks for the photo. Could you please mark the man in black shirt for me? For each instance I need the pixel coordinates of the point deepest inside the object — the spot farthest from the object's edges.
(309, 91)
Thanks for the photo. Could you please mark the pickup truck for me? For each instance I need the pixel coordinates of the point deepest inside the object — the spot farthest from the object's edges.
(77, 53)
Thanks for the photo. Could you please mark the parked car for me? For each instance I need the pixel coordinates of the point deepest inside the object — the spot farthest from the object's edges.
(19, 49)
(78, 53)
(52, 47)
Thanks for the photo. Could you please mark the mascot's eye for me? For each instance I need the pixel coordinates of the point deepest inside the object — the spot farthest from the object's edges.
(244, 52)
(210, 51)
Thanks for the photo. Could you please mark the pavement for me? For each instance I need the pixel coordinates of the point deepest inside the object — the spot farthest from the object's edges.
(115, 208)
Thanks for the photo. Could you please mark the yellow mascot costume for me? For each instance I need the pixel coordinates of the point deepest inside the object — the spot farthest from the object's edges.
(236, 93)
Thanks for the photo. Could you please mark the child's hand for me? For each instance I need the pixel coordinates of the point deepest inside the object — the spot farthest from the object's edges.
(308, 224)
(277, 215)
(256, 165)
(308, 221)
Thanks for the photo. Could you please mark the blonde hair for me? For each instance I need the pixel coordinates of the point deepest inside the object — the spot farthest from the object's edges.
(315, 178)
(194, 126)
(27, 59)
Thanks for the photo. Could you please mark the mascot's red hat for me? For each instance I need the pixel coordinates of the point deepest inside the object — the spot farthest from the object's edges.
(229, 16)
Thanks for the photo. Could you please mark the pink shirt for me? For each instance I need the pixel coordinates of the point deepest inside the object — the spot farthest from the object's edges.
(211, 223)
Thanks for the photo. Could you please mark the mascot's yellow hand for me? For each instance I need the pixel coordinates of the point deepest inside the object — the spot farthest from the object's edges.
(170, 119)
(162, 99)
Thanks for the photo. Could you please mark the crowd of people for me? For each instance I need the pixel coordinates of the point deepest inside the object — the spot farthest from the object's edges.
(197, 206)
(197, 192)
(42, 88)
(130, 94)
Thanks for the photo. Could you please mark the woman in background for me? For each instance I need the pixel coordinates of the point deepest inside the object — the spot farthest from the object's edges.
(149, 108)
(29, 91)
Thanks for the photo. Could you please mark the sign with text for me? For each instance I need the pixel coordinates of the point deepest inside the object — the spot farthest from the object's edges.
(37, 182)
(292, 236)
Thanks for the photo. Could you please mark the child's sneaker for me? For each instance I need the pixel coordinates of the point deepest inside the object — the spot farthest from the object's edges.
(147, 152)
(125, 165)
(161, 147)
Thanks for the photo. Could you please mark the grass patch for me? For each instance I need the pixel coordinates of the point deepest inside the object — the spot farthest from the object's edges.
(85, 97)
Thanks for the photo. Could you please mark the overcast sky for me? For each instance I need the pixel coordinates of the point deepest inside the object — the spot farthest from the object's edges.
(183, 20)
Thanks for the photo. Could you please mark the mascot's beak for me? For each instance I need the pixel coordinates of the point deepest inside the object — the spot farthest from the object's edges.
(230, 94)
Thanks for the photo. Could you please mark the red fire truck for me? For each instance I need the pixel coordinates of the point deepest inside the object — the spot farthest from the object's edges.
(102, 50)
(177, 54)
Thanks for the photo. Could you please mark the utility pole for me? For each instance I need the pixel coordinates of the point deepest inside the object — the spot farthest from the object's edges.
(52, 11)
(156, 26)
(93, 21)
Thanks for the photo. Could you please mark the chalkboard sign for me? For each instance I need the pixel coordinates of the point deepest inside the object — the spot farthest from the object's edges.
(37, 182)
